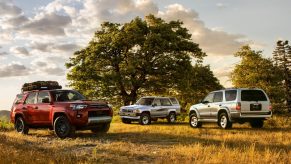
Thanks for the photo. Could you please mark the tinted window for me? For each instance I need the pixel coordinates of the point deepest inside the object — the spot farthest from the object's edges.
(31, 98)
(43, 97)
(218, 96)
(209, 98)
(174, 101)
(230, 95)
(63, 96)
(165, 102)
(253, 95)
(145, 101)
(157, 102)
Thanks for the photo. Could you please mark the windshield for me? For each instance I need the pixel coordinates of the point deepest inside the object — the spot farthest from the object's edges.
(67, 95)
(145, 101)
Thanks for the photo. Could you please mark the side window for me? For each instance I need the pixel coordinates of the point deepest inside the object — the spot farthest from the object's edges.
(43, 97)
(209, 98)
(157, 102)
(218, 97)
(230, 95)
(31, 98)
(165, 102)
(174, 101)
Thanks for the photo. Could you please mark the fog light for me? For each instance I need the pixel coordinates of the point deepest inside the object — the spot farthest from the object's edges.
(79, 116)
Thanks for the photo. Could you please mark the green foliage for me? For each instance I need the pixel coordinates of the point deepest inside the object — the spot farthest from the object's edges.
(259, 72)
(5, 125)
(282, 59)
(142, 57)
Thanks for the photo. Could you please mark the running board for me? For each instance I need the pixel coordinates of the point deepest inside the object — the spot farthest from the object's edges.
(207, 120)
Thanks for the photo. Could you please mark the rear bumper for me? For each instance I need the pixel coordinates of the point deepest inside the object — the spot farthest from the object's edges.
(99, 120)
(238, 115)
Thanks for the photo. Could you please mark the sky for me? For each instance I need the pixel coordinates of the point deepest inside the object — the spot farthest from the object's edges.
(37, 37)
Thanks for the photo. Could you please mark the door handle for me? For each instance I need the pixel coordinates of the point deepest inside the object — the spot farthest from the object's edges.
(219, 104)
(208, 105)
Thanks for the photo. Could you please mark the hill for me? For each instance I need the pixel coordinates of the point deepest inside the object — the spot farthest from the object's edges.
(4, 114)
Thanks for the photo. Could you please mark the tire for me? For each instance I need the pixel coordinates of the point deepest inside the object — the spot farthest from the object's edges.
(224, 122)
(63, 128)
(103, 129)
(126, 120)
(20, 126)
(171, 117)
(193, 121)
(145, 119)
(257, 123)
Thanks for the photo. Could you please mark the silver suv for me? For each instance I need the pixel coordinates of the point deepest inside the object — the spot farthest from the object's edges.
(149, 109)
(227, 106)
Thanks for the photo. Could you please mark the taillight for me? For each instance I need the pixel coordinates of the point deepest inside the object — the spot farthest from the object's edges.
(238, 106)
(270, 108)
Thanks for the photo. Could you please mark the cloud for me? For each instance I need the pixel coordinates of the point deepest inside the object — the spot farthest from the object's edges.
(22, 51)
(51, 47)
(46, 66)
(9, 9)
(3, 53)
(222, 5)
(16, 21)
(14, 69)
(211, 41)
(47, 24)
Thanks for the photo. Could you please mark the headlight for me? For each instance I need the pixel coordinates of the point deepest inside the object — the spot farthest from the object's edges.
(136, 111)
(78, 106)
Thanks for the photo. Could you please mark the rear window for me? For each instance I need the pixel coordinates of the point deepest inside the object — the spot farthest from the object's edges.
(174, 101)
(230, 95)
(253, 95)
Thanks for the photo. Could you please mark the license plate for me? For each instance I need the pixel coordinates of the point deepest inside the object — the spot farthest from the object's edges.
(255, 107)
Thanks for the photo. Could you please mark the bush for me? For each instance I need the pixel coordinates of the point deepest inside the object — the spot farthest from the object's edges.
(5, 125)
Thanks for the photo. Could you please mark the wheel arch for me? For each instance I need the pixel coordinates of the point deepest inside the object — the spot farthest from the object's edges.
(224, 110)
(194, 110)
(19, 115)
(57, 114)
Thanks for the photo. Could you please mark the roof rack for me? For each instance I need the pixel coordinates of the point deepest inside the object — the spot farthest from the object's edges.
(40, 85)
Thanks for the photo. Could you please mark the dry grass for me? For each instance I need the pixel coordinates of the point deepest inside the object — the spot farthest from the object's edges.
(156, 143)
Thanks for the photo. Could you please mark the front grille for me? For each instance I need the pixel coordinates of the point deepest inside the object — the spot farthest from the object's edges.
(98, 113)
(127, 110)
(98, 106)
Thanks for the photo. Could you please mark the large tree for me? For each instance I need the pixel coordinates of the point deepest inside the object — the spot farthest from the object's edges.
(282, 59)
(256, 71)
(123, 60)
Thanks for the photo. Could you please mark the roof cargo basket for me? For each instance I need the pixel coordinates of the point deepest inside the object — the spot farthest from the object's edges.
(40, 85)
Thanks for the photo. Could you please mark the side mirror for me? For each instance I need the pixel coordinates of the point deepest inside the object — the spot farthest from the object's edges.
(204, 102)
(45, 100)
(154, 105)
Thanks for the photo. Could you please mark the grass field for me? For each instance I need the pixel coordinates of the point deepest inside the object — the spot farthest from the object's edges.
(156, 143)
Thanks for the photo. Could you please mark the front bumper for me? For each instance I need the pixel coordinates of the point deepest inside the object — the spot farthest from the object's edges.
(131, 117)
(99, 120)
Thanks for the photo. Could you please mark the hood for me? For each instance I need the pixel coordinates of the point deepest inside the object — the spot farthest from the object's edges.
(136, 107)
(89, 102)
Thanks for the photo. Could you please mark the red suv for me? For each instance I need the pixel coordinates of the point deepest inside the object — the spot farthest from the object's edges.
(63, 111)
